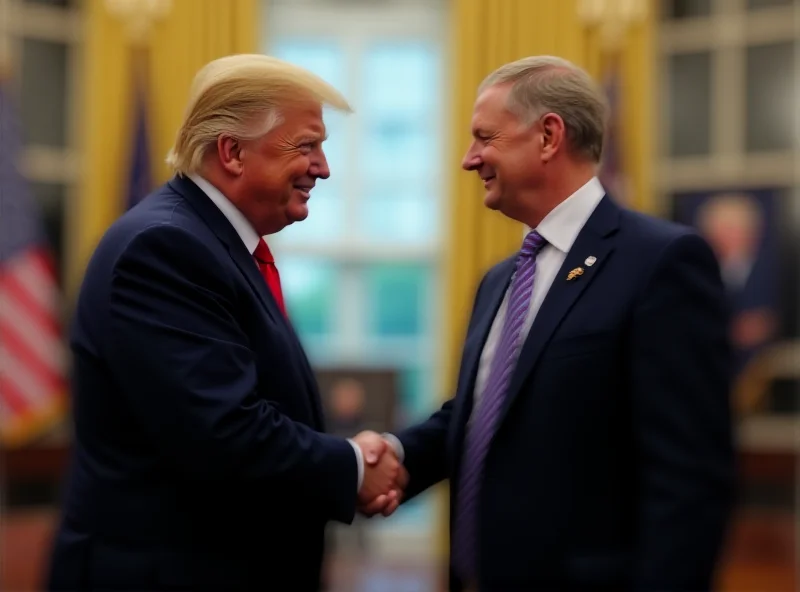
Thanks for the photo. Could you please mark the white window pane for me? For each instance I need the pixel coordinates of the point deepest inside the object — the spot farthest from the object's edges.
(400, 108)
(403, 215)
(395, 146)
(771, 101)
(324, 58)
(401, 76)
(690, 104)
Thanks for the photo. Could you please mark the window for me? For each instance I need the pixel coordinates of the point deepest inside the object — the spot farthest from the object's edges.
(757, 4)
(42, 36)
(360, 272)
(729, 87)
(771, 97)
(679, 9)
(311, 290)
(690, 103)
(397, 295)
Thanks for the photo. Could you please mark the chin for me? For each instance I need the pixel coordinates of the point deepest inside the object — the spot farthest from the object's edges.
(492, 201)
(297, 214)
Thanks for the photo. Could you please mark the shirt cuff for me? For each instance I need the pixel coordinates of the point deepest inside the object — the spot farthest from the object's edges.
(360, 461)
(394, 442)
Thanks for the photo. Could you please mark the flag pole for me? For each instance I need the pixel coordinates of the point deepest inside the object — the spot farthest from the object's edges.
(139, 171)
(139, 18)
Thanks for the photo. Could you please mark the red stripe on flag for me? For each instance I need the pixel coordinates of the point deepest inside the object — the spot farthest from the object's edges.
(13, 397)
(32, 361)
(25, 302)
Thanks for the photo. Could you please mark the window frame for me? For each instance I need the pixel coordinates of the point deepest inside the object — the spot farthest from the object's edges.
(726, 34)
(20, 20)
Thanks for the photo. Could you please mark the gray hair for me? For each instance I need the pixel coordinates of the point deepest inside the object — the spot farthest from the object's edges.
(549, 84)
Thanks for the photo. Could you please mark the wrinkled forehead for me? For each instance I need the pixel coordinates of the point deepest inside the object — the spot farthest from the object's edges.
(303, 117)
(305, 111)
(491, 106)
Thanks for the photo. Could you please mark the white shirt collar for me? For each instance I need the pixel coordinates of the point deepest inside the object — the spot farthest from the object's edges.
(243, 228)
(563, 224)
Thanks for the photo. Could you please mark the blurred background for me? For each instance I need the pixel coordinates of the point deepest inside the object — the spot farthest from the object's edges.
(380, 278)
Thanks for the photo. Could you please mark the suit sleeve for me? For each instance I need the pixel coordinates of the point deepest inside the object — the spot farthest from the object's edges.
(425, 451)
(189, 375)
(682, 422)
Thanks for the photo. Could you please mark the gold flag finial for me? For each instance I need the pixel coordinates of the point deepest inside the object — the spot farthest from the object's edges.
(139, 16)
(613, 18)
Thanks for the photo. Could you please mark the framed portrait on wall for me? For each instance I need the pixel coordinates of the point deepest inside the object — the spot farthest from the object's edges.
(750, 231)
(357, 398)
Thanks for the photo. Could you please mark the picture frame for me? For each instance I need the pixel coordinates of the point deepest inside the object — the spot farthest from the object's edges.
(341, 387)
(751, 231)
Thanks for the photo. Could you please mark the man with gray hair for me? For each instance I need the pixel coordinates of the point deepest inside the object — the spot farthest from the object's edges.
(200, 460)
(588, 444)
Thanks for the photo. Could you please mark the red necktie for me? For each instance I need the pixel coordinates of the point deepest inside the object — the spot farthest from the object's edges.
(266, 264)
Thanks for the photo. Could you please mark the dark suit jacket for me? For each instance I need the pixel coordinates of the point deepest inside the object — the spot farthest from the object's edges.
(612, 467)
(198, 459)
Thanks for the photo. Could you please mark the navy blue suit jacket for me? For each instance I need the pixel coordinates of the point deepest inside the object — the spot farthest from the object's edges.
(612, 467)
(198, 459)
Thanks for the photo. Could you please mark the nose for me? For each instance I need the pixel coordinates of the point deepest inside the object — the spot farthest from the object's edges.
(472, 159)
(319, 166)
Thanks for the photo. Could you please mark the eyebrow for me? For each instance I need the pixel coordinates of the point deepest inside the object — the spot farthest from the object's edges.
(313, 138)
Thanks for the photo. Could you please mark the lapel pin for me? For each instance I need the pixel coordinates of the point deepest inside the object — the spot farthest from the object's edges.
(575, 273)
(590, 260)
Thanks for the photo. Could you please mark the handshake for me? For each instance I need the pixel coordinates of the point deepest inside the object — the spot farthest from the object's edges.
(385, 478)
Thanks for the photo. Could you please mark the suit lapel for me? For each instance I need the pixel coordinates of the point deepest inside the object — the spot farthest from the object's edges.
(244, 260)
(220, 225)
(594, 240)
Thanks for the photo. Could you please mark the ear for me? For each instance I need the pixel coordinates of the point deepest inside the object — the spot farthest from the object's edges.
(554, 135)
(230, 153)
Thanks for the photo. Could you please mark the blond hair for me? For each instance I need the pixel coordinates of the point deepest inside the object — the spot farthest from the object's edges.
(241, 96)
(549, 84)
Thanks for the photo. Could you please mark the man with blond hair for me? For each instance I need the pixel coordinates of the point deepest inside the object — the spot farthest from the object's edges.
(588, 445)
(200, 460)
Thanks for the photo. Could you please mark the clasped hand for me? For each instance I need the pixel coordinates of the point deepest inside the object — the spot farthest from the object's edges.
(384, 477)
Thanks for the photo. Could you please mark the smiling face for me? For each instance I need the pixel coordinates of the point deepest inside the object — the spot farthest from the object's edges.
(506, 154)
(274, 174)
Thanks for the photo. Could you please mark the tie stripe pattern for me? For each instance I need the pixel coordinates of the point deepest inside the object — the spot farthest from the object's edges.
(485, 416)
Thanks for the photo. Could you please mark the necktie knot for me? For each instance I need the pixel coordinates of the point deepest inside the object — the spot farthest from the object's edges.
(262, 253)
(532, 244)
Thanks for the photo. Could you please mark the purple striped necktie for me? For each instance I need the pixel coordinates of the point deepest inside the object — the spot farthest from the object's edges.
(485, 415)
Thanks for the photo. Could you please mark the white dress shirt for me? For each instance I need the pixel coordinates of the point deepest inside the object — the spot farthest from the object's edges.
(559, 228)
(250, 238)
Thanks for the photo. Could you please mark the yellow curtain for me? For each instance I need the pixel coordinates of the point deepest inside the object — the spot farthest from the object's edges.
(487, 34)
(193, 33)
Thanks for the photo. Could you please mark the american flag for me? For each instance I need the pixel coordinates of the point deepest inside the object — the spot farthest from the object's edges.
(32, 354)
